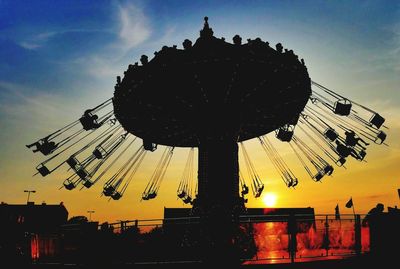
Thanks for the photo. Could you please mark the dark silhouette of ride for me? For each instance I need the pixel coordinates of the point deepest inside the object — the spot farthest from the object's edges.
(214, 96)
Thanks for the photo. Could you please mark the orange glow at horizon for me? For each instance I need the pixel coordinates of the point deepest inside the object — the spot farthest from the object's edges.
(269, 199)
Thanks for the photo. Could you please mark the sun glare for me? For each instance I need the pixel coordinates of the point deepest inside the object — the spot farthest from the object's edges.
(269, 199)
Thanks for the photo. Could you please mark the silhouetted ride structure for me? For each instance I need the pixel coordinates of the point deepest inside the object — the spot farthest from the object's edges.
(212, 95)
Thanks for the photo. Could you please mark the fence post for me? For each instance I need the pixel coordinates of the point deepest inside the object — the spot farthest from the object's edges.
(326, 241)
(122, 226)
(292, 231)
(357, 234)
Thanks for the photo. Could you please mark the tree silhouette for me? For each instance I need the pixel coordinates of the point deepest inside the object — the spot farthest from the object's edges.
(77, 220)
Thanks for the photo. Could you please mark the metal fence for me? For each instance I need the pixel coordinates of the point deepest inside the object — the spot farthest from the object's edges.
(263, 239)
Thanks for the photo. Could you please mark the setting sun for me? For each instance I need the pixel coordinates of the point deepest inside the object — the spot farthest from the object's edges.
(269, 199)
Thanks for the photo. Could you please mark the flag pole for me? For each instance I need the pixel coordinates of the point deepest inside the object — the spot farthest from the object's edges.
(351, 204)
(354, 212)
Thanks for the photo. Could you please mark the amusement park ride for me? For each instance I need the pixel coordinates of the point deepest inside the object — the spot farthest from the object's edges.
(212, 95)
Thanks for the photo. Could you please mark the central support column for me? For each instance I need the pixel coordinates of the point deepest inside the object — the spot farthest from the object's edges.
(218, 201)
(218, 176)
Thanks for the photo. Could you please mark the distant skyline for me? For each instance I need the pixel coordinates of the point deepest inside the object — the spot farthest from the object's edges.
(58, 58)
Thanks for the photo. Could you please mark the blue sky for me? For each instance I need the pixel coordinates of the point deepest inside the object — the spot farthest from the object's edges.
(46, 43)
(58, 58)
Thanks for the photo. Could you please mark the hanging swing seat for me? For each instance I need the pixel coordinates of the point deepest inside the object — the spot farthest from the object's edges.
(328, 169)
(152, 195)
(148, 145)
(69, 185)
(108, 190)
(181, 194)
(259, 191)
(319, 176)
(285, 134)
(343, 150)
(88, 183)
(341, 161)
(362, 154)
(187, 200)
(72, 161)
(89, 121)
(342, 107)
(82, 173)
(149, 195)
(116, 195)
(377, 120)
(331, 134)
(45, 146)
(380, 138)
(43, 170)
(245, 189)
(351, 140)
(99, 152)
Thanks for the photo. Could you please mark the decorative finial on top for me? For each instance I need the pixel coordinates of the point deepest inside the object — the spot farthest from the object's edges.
(237, 40)
(187, 44)
(207, 31)
(144, 59)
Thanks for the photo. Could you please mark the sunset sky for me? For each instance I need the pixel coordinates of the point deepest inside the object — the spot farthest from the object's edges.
(58, 58)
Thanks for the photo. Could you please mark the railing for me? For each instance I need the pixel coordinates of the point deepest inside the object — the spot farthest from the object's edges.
(264, 239)
(255, 238)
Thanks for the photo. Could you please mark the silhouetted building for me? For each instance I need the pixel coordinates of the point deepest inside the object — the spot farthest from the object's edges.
(33, 217)
(385, 234)
(29, 231)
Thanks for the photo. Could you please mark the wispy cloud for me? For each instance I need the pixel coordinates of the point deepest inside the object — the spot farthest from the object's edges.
(23, 106)
(37, 41)
(133, 29)
(134, 26)
(41, 39)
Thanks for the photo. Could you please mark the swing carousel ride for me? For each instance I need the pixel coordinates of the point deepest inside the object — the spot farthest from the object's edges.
(212, 95)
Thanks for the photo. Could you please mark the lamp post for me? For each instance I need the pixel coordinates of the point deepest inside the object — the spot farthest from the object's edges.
(90, 214)
(29, 194)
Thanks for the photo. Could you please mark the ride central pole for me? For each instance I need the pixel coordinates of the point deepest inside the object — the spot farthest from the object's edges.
(218, 201)
(218, 176)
